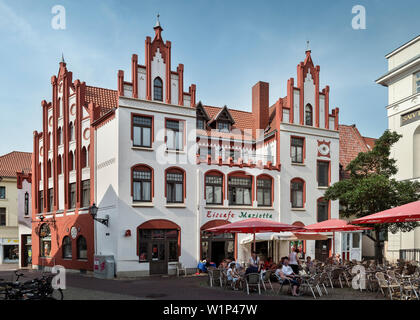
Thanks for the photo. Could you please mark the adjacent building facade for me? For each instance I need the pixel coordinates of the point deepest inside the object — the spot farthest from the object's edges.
(12, 165)
(403, 83)
(163, 167)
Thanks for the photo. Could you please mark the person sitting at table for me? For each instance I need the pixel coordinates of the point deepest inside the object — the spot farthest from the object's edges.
(309, 263)
(284, 279)
(233, 276)
(268, 263)
(223, 264)
(287, 269)
(254, 263)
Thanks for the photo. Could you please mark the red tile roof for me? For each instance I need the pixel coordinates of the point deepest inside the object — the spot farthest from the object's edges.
(352, 143)
(105, 98)
(15, 161)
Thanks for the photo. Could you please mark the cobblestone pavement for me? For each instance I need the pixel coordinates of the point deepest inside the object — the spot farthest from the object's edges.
(86, 287)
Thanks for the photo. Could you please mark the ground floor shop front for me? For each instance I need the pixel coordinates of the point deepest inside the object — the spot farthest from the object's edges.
(9, 250)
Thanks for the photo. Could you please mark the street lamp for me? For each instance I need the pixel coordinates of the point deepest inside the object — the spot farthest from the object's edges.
(93, 210)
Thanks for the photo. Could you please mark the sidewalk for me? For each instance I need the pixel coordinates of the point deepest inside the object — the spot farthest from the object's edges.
(8, 266)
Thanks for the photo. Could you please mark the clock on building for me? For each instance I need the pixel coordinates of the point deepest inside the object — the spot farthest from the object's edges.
(323, 148)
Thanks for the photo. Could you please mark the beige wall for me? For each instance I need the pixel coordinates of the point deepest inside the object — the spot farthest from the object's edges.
(404, 55)
(10, 203)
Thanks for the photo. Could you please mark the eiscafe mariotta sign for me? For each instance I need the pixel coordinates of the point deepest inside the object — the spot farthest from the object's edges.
(410, 117)
(237, 215)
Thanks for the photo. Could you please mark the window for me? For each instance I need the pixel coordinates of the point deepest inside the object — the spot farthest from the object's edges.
(214, 188)
(81, 248)
(59, 142)
(45, 240)
(323, 169)
(223, 126)
(142, 131)
(240, 190)
(26, 209)
(204, 152)
(85, 193)
(2, 192)
(59, 165)
(49, 169)
(142, 184)
(152, 244)
(308, 115)
(322, 209)
(175, 187)
(201, 124)
(50, 200)
(67, 254)
(84, 157)
(296, 150)
(297, 192)
(158, 89)
(417, 82)
(264, 191)
(71, 132)
(40, 201)
(2, 216)
(175, 134)
(72, 195)
(71, 161)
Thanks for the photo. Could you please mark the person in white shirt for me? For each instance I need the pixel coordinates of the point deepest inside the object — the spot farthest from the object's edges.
(233, 276)
(254, 263)
(294, 260)
(286, 275)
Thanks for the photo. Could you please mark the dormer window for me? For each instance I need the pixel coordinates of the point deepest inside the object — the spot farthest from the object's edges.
(223, 126)
(158, 89)
(201, 124)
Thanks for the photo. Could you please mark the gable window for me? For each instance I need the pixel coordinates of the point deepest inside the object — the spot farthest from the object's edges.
(323, 169)
(2, 216)
(297, 193)
(240, 190)
(297, 149)
(214, 188)
(26, 209)
(158, 89)
(67, 254)
(200, 124)
(2, 192)
(264, 192)
(72, 195)
(175, 134)
(308, 115)
(322, 210)
(85, 193)
(142, 131)
(142, 184)
(175, 186)
(417, 82)
(81, 248)
(223, 126)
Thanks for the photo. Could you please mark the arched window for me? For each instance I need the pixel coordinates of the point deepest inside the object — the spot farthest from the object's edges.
(175, 185)
(59, 142)
(71, 132)
(297, 193)
(45, 240)
(81, 248)
(142, 183)
(416, 153)
(59, 165)
(84, 157)
(71, 161)
(158, 89)
(323, 210)
(67, 253)
(214, 187)
(26, 203)
(49, 169)
(308, 115)
(265, 191)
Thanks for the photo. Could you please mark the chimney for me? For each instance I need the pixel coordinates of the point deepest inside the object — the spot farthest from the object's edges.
(260, 104)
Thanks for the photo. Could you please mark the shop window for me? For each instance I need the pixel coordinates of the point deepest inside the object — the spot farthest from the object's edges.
(67, 250)
(45, 240)
(142, 184)
(153, 243)
(142, 131)
(214, 188)
(81, 248)
(240, 190)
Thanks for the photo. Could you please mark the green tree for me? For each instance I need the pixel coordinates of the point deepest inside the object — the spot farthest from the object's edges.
(371, 188)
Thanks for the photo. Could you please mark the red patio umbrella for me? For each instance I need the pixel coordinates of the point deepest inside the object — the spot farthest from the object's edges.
(333, 225)
(254, 225)
(405, 213)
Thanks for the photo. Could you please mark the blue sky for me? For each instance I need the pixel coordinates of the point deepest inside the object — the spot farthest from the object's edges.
(225, 46)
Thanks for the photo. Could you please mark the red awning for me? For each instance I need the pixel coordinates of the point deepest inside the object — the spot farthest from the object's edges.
(405, 213)
(254, 225)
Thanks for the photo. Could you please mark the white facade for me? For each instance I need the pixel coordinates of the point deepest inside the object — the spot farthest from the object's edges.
(403, 83)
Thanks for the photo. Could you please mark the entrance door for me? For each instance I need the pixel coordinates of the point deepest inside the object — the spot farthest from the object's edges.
(26, 250)
(322, 249)
(352, 246)
(217, 251)
(159, 260)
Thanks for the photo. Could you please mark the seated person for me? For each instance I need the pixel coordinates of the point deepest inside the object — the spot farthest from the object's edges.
(268, 263)
(223, 264)
(232, 275)
(254, 263)
(309, 263)
(284, 279)
(287, 269)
